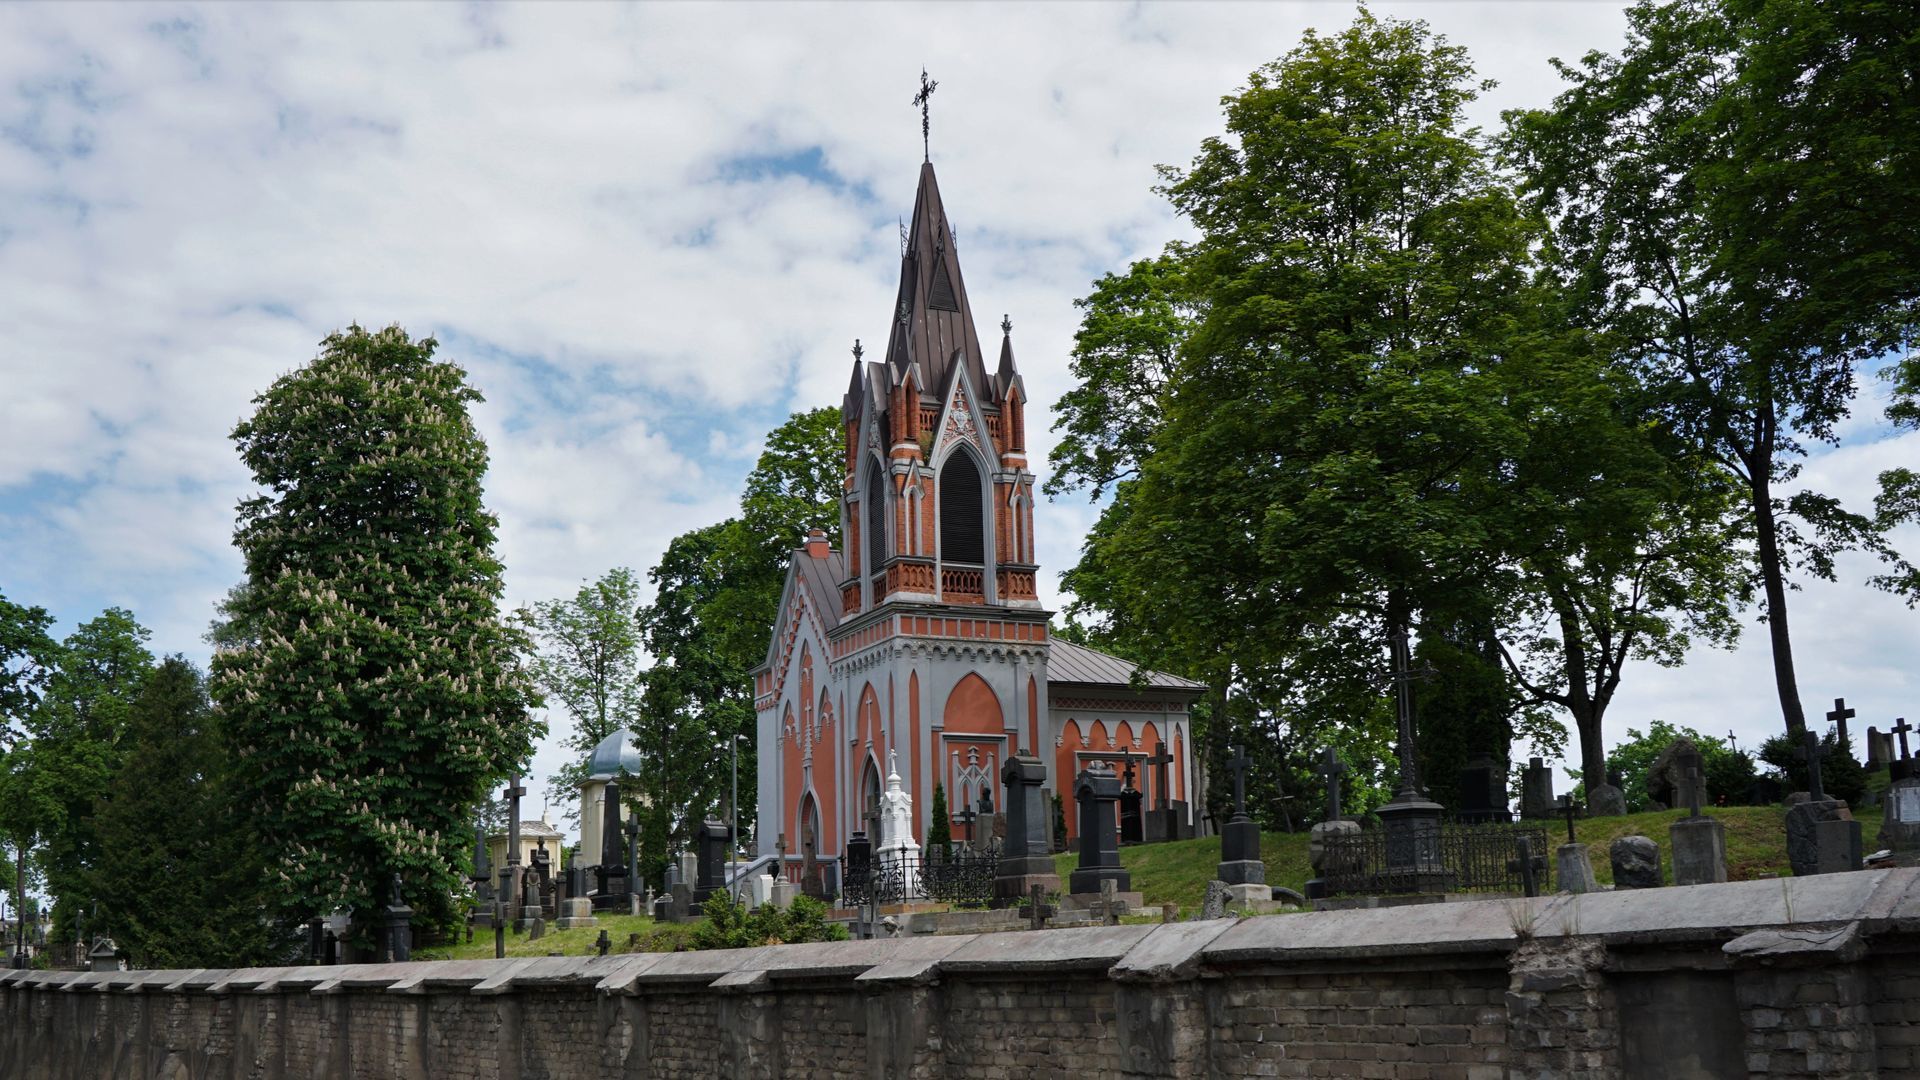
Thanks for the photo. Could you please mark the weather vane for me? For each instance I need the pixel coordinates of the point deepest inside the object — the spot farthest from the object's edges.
(927, 87)
(858, 352)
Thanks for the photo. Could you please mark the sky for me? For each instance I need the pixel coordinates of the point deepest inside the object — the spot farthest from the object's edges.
(649, 233)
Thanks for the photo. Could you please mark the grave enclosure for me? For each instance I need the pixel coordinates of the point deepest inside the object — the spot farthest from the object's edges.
(1779, 978)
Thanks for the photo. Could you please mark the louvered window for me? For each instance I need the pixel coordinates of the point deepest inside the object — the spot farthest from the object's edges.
(962, 533)
(876, 519)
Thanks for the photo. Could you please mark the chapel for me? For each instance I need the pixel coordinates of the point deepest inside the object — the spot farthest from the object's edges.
(923, 636)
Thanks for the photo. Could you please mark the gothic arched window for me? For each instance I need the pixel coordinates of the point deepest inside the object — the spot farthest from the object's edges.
(876, 519)
(962, 532)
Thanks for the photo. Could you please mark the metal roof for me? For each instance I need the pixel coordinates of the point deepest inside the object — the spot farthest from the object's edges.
(612, 754)
(1070, 663)
(821, 578)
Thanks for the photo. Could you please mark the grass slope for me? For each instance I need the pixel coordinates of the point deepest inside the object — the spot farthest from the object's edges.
(1178, 872)
(654, 937)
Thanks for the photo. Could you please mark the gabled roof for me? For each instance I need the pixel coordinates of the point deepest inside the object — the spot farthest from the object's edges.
(933, 317)
(821, 578)
(1070, 663)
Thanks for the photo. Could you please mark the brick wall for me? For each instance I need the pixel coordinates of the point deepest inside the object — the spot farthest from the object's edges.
(1609, 985)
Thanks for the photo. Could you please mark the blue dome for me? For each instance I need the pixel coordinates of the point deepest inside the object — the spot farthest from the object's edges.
(611, 754)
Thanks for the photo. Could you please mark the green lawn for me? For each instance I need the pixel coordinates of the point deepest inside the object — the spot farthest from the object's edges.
(654, 937)
(1756, 847)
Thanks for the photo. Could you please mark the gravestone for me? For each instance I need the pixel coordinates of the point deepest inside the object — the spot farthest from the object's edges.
(1900, 820)
(399, 925)
(1213, 905)
(1899, 768)
(1669, 783)
(1876, 750)
(1240, 866)
(1822, 836)
(1161, 823)
(1095, 791)
(1608, 799)
(105, 956)
(1536, 791)
(1636, 863)
(1483, 791)
(1573, 869)
(1699, 842)
(611, 874)
(1026, 862)
(899, 852)
(1334, 824)
(710, 865)
(1132, 827)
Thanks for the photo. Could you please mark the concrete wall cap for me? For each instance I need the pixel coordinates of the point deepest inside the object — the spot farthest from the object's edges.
(1071, 948)
(1170, 952)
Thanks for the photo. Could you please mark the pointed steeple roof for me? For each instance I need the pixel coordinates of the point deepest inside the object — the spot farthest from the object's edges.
(1009, 375)
(933, 318)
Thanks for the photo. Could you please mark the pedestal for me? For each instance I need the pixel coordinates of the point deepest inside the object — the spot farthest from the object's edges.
(1699, 851)
(1240, 854)
(1822, 837)
(1094, 794)
(1573, 871)
(1838, 846)
(1900, 821)
(1245, 895)
(783, 894)
(576, 912)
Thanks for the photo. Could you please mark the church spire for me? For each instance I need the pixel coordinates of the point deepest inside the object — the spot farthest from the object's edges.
(935, 328)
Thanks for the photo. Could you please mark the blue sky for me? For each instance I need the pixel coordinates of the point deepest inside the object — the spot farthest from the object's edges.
(649, 233)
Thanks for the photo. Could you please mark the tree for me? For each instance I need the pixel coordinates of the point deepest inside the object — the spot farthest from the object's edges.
(170, 815)
(1710, 205)
(1340, 367)
(1727, 772)
(940, 831)
(79, 736)
(587, 659)
(376, 696)
(717, 590)
(26, 658)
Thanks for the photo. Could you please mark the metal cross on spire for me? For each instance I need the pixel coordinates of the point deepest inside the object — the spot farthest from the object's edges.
(927, 87)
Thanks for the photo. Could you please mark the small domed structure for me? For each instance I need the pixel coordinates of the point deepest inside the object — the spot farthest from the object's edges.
(612, 754)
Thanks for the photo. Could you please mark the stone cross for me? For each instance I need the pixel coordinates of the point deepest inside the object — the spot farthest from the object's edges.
(1693, 785)
(1159, 762)
(967, 817)
(1528, 882)
(1403, 677)
(1901, 727)
(512, 795)
(1237, 765)
(1813, 755)
(1332, 768)
(1839, 717)
(1109, 903)
(1732, 743)
(1037, 909)
(1566, 807)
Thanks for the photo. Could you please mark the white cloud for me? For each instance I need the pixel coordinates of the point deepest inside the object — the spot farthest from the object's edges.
(191, 196)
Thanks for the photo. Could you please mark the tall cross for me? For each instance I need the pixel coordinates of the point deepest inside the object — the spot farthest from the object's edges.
(1811, 743)
(1237, 765)
(1332, 768)
(1732, 744)
(1693, 785)
(1839, 717)
(927, 87)
(1160, 761)
(967, 817)
(1404, 676)
(1901, 727)
(512, 795)
(1566, 807)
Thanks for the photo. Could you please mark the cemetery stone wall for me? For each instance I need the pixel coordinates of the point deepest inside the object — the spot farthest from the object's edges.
(1783, 978)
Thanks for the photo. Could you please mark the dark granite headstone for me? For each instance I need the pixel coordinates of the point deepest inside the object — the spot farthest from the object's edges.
(1536, 791)
(1822, 837)
(712, 860)
(1483, 791)
(1026, 859)
(1636, 863)
(1132, 825)
(1095, 791)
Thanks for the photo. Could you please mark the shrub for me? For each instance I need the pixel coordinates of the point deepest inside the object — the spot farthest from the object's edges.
(729, 925)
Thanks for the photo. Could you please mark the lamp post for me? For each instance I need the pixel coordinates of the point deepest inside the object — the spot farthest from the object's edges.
(733, 818)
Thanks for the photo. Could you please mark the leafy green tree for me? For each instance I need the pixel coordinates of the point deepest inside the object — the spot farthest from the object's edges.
(1841, 774)
(377, 697)
(26, 659)
(717, 589)
(586, 658)
(170, 815)
(1340, 366)
(940, 831)
(79, 735)
(1466, 707)
(1706, 214)
(1728, 772)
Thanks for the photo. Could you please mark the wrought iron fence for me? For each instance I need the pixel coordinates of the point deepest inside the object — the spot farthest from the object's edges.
(962, 878)
(1456, 858)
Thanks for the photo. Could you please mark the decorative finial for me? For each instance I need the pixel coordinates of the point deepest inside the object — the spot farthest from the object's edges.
(858, 352)
(927, 87)
(1006, 325)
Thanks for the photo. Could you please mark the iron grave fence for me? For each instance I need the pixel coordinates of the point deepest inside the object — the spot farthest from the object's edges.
(962, 878)
(1456, 858)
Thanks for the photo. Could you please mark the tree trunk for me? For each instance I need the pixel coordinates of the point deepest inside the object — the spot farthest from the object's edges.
(1593, 753)
(1774, 581)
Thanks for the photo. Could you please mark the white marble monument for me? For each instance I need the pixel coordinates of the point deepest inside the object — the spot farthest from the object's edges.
(897, 847)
